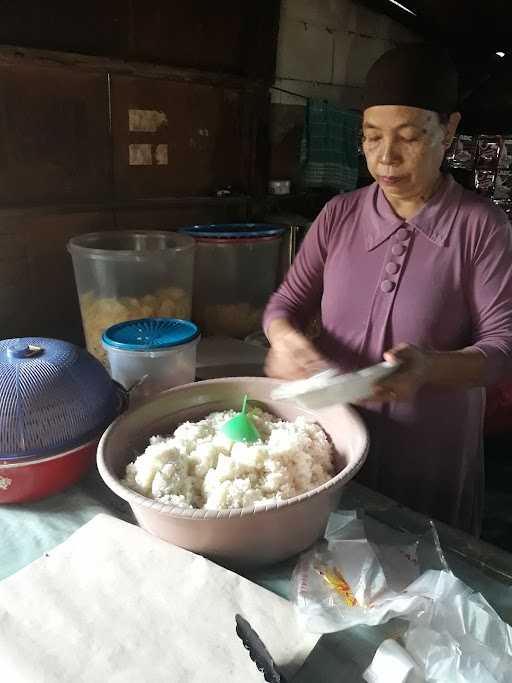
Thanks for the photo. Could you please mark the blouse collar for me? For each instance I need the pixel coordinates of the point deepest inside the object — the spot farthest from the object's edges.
(434, 220)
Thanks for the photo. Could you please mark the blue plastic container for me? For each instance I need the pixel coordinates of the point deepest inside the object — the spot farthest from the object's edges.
(151, 354)
(237, 268)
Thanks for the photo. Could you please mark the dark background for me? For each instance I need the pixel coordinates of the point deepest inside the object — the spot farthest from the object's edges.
(69, 73)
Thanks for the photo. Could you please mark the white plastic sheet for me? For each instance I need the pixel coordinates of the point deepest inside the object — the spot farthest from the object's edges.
(393, 664)
(465, 641)
(377, 575)
(462, 641)
(360, 576)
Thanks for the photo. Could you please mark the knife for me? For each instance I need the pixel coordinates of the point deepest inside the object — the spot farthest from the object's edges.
(257, 651)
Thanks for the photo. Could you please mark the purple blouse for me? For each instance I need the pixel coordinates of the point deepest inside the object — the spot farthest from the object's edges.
(441, 281)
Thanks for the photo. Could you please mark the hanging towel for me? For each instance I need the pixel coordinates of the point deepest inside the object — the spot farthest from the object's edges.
(329, 156)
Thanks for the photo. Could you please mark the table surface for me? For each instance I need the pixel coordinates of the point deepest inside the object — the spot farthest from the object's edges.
(30, 530)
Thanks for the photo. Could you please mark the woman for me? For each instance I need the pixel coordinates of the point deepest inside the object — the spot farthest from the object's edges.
(412, 268)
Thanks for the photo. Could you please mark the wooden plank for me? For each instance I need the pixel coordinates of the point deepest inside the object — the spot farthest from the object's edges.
(52, 270)
(287, 123)
(12, 250)
(92, 27)
(172, 218)
(233, 203)
(54, 138)
(37, 286)
(255, 148)
(21, 56)
(260, 40)
(201, 127)
(196, 33)
(14, 283)
(227, 36)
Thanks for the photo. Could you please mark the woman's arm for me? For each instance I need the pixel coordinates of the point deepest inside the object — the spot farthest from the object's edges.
(299, 297)
(464, 368)
(292, 355)
(489, 359)
(456, 369)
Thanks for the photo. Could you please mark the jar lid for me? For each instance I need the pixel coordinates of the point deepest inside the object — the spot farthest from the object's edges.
(54, 396)
(149, 334)
(234, 230)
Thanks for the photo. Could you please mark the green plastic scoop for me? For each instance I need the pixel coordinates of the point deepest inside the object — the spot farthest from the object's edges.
(241, 427)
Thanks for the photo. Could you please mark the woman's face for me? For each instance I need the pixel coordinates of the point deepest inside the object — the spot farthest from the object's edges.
(404, 148)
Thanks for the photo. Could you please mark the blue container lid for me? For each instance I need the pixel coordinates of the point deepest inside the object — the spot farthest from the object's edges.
(234, 230)
(150, 334)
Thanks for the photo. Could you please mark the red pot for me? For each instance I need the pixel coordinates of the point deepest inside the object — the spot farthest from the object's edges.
(32, 479)
(55, 402)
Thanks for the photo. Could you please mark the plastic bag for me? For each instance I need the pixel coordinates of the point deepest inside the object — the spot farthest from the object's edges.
(366, 573)
(393, 664)
(465, 640)
(462, 641)
(360, 574)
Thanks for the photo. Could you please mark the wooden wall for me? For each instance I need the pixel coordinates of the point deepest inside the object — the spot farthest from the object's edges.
(80, 152)
(227, 36)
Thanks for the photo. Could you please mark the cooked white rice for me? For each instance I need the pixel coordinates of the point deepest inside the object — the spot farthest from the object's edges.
(199, 467)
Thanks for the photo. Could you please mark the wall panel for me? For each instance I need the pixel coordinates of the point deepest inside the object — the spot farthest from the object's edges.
(54, 137)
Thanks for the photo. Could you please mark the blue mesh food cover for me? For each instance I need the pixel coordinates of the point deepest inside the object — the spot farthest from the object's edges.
(54, 396)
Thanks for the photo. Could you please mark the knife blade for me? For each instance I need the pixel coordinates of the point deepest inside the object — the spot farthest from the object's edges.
(257, 651)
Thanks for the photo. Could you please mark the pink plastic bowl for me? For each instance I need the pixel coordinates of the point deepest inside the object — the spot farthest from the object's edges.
(237, 537)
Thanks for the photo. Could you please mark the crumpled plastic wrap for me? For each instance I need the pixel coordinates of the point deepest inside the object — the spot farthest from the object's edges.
(462, 641)
(360, 577)
(392, 663)
(465, 640)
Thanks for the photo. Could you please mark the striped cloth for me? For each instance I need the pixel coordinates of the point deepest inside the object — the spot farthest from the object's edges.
(329, 156)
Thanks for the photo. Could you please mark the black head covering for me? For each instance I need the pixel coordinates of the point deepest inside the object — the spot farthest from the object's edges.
(413, 75)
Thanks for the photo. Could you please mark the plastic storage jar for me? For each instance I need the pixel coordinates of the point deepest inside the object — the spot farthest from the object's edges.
(151, 355)
(237, 269)
(128, 275)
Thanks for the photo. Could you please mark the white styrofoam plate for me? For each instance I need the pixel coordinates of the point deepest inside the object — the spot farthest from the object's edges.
(329, 387)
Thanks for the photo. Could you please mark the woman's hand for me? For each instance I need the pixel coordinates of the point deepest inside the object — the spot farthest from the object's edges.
(404, 383)
(292, 355)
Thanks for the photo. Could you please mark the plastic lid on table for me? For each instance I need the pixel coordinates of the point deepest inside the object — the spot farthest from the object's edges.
(150, 334)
